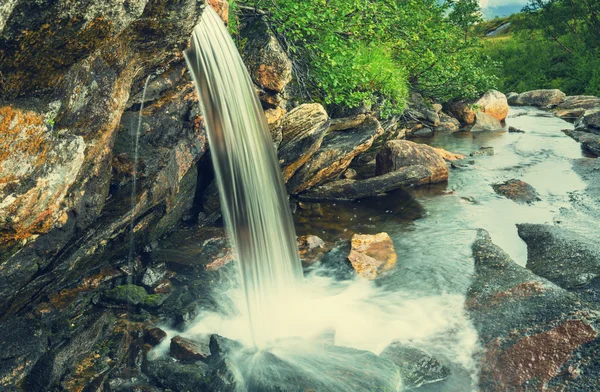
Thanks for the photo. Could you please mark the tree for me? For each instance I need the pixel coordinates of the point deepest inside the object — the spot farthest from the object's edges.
(465, 14)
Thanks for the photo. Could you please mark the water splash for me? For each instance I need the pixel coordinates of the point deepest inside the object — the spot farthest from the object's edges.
(253, 197)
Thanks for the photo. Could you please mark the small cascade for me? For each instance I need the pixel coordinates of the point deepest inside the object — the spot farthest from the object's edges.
(254, 201)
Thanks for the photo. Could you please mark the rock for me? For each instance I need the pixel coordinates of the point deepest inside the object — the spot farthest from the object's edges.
(358, 189)
(540, 98)
(155, 335)
(419, 110)
(493, 103)
(422, 132)
(515, 130)
(154, 274)
(188, 350)
(449, 156)
(517, 191)
(417, 368)
(531, 330)
(563, 257)
(397, 154)
(371, 255)
(335, 155)
(267, 62)
(484, 122)
(126, 294)
(178, 376)
(222, 9)
(512, 98)
(589, 121)
(153, 301)
(483, 152)
(342, 124)
(447, 123)
(163, 286)
(590, 142)
(221, 347)
(350, 174)
(311, 248)
(303, 130)
(574, 106)
(274, 119)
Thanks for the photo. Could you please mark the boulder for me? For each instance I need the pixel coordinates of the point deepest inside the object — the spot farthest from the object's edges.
(419, 110)
(533, 333)
(590, 142)
(358, 189)
(563, 257)
(267, 62)
(274, 119)
(449, 156)
(422, 132)
(574, 106)
(397, 154)
(303, 130)
(155, 335)
(178, 376)
(589, 121)
(417, 368)
(517, 191)
(371, 255)
(512, 98)
(493, 103)
(335, 155)
(540, 98)
(447, 123)
(342, 124)
(189, 350)
(126, 294)
(485, 122)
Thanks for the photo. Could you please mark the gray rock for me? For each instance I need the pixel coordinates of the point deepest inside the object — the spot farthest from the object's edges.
(153, 275)
(178, 376)
(574, 106)
(589, 121)
(422, 132)
(485, 122)
(397, 154)
(190, 350)
(416, 366)
(540, 98)
(483, 152)
(563, 257)
(590, 142)
(515, 130)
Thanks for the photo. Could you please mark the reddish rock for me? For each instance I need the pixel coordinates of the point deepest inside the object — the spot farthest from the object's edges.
(311, 248)
(397, 154)
(517, 191)
(155, 335)
(371, 255)
(185, 349)
(449, 156)
(222, 8)
(493, 103)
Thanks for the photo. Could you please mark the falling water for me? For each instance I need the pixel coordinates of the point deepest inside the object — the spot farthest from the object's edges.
(253, 197)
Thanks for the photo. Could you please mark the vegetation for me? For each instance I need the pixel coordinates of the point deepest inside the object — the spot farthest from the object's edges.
(553, 44)
(347, 52)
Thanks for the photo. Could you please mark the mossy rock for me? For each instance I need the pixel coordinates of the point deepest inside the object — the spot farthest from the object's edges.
(127, 294)
(153, 301)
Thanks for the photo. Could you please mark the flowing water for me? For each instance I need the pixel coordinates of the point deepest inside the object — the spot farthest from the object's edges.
(253, 198)
(420, 303)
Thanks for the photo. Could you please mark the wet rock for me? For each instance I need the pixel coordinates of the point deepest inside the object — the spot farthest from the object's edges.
(350, 174)
(221, 347)
(266, 60)
(563, 257)
(397, 154)
(163, 286)
(155, 335)
(574, 106)
(589, 121)
(449, 156)
(493, 103)
(420, 110)
(185, 349)
(416, 366)
(517, 191)
(447, 123)
(515, 130)
(311, 248)
(540, 98)
(178, 376)
(274, 119)
(483, 152)
(303, 130)
(126, 294)
(222, 9)
(154, 274)
(359, 189)
(484, 122)
(590, 142)
(342, 124)
(23, 342)
(371, 255)
(153, 301)
(335, 155)
(532, 331)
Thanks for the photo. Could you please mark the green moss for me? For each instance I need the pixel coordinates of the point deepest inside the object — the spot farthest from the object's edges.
(127, 293)
(153, 301)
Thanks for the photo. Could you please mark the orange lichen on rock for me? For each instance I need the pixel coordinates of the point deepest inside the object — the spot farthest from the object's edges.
(535, 359)
(372, 254)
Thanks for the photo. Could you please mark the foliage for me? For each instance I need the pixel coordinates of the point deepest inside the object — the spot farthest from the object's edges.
(554, 44)
(346, 52)
(465, 14)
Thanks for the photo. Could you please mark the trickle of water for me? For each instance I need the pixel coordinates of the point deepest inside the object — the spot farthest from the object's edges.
(253, 197)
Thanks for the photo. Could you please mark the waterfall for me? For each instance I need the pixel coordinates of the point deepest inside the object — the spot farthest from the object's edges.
(254, 201)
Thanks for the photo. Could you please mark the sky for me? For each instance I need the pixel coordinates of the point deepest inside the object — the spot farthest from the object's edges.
(492, 8)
